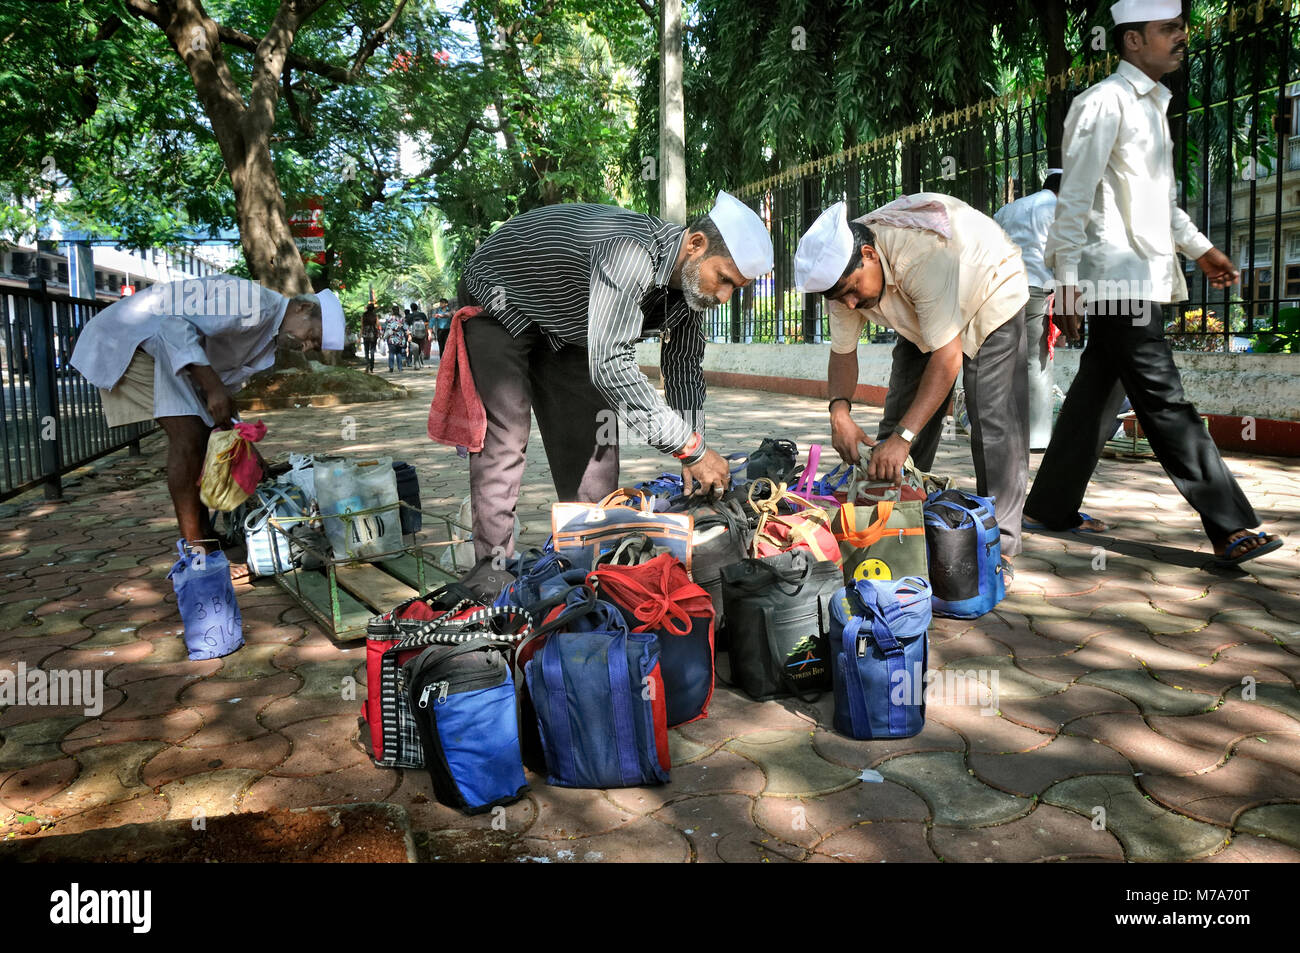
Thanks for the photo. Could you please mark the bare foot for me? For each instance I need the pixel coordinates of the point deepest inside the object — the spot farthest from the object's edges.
(238, 571)
(1093, 526)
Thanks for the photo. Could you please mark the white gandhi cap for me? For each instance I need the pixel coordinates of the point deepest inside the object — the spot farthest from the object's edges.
(331, 321)
(824, 251)
(1140, 11)
(745, 234)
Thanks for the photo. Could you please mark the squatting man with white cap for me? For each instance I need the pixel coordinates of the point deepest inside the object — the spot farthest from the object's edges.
(176, 353)
(567, 291)
(953, 285)
(1114, 248)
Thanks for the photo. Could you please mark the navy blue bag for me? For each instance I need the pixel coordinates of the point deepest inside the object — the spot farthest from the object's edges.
(540, 575)
(880, 647)
(600, 702)
(462, 698)
(965, 554)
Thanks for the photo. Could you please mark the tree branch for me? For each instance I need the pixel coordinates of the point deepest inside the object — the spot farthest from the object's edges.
(369, 46)
(649, 9)
(243, 41)
(300, 119)
(444, 162)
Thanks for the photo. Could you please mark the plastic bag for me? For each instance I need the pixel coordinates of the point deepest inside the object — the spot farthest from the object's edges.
(345, 487)
(206, 599)
(231, 471)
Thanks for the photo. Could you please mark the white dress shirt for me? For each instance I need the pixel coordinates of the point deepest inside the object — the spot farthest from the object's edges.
(226, 322)
(1118, 223)
(1027, 221)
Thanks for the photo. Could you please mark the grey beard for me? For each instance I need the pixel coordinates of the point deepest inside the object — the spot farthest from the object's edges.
(695, 299)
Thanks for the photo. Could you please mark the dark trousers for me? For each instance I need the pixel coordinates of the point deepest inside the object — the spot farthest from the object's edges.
(370, 353)
(996, 381)
(514, 375)
(1127, 352)
(442, 341)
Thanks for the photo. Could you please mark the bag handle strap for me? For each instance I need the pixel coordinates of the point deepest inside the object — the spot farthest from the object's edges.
(452, 632)
(652, 606)
(646, 503)
(861, 538)
(808, 480)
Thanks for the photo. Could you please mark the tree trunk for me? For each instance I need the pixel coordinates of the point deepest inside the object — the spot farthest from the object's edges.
(1053, 19)
(672, 115)
(273, 257)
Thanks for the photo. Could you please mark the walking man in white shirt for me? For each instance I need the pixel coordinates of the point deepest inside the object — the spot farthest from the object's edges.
(1027, 221)
(1114, 251)
(178, 351)
(952, 284)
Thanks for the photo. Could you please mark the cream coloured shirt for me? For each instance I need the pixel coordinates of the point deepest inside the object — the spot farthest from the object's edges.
(935, 288)
(1118, 223)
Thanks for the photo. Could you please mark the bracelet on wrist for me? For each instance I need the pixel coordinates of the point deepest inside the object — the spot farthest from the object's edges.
(835, 400)
(692, 450)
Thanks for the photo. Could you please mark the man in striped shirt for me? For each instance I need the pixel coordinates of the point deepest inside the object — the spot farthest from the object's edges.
(567, 291)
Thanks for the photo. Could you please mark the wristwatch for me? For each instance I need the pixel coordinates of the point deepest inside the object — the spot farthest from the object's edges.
(905, 433)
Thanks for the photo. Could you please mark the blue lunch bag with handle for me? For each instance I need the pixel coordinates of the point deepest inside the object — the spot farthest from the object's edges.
(881, 650)
(965, 554)
(599, 699)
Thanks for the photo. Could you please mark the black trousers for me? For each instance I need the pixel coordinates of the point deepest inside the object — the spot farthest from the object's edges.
(369, 346)
(996, 381)
(1127, 352)
(516, 377)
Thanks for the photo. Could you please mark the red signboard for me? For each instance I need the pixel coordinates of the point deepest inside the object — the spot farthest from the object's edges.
(308, 232)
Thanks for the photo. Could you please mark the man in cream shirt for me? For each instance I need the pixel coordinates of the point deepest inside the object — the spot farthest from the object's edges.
(953, 285)
(1114, 249)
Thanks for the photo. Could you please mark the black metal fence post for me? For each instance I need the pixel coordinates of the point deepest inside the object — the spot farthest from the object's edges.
(44, 389)
(810, 207)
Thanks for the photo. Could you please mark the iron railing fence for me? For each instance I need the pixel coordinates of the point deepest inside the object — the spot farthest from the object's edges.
(53, 422)
(1236, 153)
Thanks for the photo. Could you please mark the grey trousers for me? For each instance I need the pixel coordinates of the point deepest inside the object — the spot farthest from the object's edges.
(516, 376)
(1040, 370)
(996, 383)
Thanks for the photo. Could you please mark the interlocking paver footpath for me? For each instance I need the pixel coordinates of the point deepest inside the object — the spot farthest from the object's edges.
(1147, 707)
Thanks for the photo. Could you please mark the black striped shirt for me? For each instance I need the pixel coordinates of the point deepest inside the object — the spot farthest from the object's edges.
(597, 276)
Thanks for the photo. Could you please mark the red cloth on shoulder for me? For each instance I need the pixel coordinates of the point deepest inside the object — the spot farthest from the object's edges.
(456, 416)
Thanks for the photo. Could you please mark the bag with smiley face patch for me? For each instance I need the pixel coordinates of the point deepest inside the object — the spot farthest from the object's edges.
(882, 541)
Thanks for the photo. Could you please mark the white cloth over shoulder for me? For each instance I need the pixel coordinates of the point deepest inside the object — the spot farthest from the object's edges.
(225, 322)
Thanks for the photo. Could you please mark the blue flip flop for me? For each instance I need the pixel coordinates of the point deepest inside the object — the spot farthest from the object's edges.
(1041, 528)
(1226, 560)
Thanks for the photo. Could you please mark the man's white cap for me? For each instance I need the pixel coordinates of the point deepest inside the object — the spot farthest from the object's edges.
(824, 251)
(331, 321)
(745, 234)
(1140, 11)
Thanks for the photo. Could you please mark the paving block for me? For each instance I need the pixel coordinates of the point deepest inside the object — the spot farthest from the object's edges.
(1280, 822)
(880, 842)
(791, 764)
(1011, 682)
(955, 796)
(1218, 796)
(1151, 696)
(1049, 833)
(807, 821)
(1032, 772)
(1148, 832)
